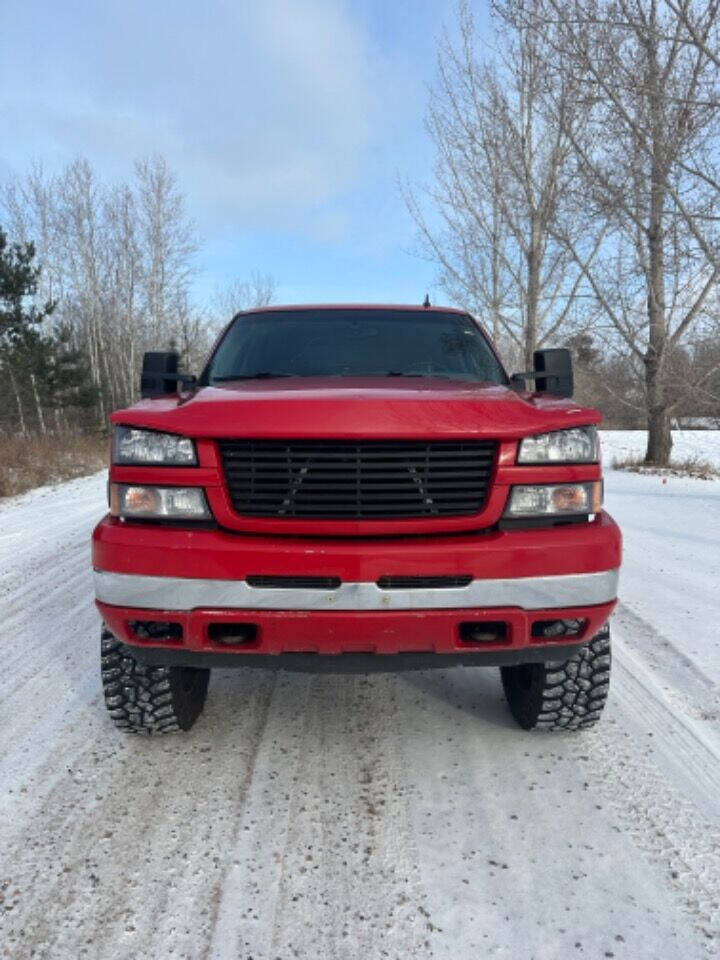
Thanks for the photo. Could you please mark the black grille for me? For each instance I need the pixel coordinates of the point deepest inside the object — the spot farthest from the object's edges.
(372, 480)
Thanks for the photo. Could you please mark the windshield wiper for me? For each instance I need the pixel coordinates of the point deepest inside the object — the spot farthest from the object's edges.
(455, 377)
(264, 375)
(269, 375)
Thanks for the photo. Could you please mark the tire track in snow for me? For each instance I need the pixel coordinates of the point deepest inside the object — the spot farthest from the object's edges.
(326, 864)
(654, 810)
(45, 645)
(50, 633)
(47, 655)
(125, 851)
(678, 707)
(71, 576)
(684, 683)
(46, 577)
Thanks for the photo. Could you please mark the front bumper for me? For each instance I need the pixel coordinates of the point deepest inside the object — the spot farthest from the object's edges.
(197, 578)
(183, 594)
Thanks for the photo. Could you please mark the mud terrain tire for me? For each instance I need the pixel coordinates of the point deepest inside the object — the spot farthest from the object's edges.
(145, 699)
(564, 694)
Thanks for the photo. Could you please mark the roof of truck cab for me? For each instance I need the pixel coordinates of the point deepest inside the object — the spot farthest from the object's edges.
(415, 307)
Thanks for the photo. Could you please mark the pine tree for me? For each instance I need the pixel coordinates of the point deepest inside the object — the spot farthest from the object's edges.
(18, 281)
(40, 370)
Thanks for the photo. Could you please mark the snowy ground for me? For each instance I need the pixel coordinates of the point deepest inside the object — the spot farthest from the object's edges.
(687, 444)
(328, 818)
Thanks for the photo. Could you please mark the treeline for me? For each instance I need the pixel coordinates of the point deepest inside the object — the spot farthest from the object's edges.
(575, 199)
(106, 272)
(576, 191)
(608, 380)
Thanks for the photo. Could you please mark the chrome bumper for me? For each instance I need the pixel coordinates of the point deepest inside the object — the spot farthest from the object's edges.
(528, 593)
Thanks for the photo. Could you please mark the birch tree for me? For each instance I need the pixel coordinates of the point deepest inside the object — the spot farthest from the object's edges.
(118, 261)
(701, 23)
(648, 158)
(504, 174)
(168, 243)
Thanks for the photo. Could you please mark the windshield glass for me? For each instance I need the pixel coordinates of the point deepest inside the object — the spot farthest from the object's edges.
(350, 343)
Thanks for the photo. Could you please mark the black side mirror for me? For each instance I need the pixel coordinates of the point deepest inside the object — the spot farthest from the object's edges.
(160, 374)
(552, 373)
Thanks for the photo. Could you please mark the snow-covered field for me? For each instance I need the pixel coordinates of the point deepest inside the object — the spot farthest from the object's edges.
(687, 444)
(352, 818)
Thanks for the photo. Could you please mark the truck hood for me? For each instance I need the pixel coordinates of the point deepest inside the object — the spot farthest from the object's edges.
(354, 407)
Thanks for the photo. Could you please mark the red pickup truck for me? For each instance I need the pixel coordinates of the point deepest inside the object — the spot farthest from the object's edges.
(355, 488)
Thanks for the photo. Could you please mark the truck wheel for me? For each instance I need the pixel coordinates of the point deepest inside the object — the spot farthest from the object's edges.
(562, 694)
(145, 699)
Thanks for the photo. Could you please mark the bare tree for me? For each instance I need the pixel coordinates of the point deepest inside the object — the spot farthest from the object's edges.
(503, 174)
(648, 161)
(193, 334)
(82, 250)
(125, 295)
(167, 241)
(118, 261)
(258, 291)
(701, 23)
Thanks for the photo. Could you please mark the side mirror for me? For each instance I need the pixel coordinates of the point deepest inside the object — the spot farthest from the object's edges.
(552, 373)
(160, 374)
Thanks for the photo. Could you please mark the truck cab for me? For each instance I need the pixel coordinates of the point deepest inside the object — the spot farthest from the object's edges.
(355, 488)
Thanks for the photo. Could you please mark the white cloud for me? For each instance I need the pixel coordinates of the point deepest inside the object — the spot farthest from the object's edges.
(265, 109)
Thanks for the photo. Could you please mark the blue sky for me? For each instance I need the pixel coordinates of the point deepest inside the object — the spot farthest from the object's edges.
(286, 121)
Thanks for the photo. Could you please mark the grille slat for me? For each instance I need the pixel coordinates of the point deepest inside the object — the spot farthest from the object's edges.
(380, 479)
(321, 474)
(369, 468)
(344, 487)
(338, 452)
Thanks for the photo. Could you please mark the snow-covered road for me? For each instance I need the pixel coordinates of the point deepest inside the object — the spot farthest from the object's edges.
(353, 818)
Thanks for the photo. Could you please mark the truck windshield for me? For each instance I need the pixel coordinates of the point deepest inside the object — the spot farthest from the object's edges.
(354, 343)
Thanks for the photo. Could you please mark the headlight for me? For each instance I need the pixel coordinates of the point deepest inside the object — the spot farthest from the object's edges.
(577, 445)
(134, 446)
(554, 500)
(171, 503)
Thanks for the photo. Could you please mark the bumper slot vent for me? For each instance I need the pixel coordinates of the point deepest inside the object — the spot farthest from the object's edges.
(157, 630)
(233, 634)
(294, 583)
(547, 629)
(425, 583)
(343, 480)
(484, 631)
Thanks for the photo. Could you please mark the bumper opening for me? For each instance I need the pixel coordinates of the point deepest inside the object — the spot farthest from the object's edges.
(232, 634)
(558, 629)
(157, 631)
(484, 632)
